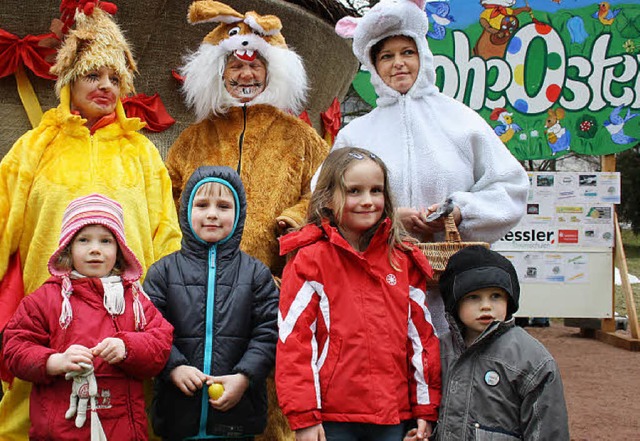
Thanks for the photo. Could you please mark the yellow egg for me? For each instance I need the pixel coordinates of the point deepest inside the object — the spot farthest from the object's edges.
(215, 391)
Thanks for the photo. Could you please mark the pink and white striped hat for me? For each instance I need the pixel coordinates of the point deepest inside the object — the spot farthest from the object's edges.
(91, 210)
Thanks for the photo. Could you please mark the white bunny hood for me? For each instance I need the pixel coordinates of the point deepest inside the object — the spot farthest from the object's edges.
(389, 18)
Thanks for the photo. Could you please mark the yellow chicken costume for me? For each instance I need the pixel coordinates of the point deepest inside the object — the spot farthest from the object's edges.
(275, 153)
(61, 160)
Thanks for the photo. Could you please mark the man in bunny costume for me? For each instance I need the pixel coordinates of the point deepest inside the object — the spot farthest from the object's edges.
(435, 147)
(246, 86)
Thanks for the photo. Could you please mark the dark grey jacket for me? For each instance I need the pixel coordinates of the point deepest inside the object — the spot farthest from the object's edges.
(504, 387)
(223, 304)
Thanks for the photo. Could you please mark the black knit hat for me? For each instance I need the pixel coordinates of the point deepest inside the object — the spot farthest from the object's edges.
(476, 267)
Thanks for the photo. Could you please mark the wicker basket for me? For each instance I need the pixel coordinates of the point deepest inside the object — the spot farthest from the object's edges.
(438, 253)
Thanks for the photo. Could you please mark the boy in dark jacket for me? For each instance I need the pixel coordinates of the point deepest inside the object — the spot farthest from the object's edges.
(223, 304)
(498, 381)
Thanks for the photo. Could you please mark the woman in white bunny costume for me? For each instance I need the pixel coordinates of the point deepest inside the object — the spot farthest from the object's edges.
(434, 146)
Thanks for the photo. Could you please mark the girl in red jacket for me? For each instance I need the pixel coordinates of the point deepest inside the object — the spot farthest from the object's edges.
(88, 336)
(357, 356)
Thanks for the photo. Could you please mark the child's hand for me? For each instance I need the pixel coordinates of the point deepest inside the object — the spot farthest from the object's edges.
(188, 379)
(425, 428)
(111, 349)
(313, 433)
(411, 435)
(234, 387)
(69, 360)
(438, 224)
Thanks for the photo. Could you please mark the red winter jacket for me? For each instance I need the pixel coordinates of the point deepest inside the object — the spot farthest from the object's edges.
(33, 334)
(356, 342)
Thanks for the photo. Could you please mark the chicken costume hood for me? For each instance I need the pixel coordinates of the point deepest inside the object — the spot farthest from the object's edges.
(95, 41)
(246, 36)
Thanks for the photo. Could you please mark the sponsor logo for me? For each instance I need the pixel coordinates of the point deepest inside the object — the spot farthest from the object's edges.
(531, 235)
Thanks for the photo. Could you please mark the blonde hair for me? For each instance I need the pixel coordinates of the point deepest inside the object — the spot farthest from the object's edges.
(331, 179)
(64, 262)
(214, 189)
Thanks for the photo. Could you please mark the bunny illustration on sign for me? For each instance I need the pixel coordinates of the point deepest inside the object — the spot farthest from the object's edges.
(558, 137)
(615, 125)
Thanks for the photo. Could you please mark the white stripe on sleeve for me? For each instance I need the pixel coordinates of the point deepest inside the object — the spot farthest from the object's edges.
(422, 393)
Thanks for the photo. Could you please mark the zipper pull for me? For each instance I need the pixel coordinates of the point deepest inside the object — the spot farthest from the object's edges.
(212, 257)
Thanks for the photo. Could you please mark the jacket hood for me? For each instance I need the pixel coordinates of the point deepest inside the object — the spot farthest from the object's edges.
(312, 233)
(386, 19)
(476, 267)
(225, 176)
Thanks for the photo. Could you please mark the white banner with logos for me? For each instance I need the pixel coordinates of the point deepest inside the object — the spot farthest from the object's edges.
(562, 248)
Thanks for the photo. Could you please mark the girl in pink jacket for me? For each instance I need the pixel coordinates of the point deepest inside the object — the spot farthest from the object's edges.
(88, 337)
(357, 356)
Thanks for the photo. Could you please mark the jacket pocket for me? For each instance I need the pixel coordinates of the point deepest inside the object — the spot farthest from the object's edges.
(328, 369)
(484, 433)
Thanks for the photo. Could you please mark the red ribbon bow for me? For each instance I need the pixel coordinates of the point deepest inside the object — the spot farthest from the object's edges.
(149, 109)
(332, 118)
(28, 51)
(304, 116)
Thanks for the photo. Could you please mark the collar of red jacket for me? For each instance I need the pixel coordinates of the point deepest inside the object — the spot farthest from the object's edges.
(312, 233)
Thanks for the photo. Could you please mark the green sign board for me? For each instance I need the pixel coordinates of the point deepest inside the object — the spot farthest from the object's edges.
(550, 76)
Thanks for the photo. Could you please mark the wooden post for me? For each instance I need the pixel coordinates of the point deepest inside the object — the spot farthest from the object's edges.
(621, 262)
(607, 333)
(608, 164)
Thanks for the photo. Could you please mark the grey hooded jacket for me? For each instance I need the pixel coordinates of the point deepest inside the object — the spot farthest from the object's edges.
(223, 304)
(504, 387)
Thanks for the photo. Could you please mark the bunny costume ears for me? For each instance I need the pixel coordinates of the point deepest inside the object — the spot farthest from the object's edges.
(266, 27)
(246, 36)
(390, 18)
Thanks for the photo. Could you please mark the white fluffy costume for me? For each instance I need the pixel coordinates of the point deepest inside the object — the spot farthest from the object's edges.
(434, 146)
(274, 152)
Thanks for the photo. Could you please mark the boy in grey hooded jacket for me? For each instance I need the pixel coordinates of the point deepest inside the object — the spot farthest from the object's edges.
(499, 383)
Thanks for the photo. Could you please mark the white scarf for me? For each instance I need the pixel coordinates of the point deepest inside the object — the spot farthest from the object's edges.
(113, 299)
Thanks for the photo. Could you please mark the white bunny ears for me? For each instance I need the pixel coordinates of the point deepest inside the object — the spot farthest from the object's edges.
(347, 25)
(389, 17)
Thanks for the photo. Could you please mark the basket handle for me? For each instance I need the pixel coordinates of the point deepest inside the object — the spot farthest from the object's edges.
(451, 233)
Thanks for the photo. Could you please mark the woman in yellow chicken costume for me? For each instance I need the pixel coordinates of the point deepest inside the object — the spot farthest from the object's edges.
(246, 87)
(85, 145)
